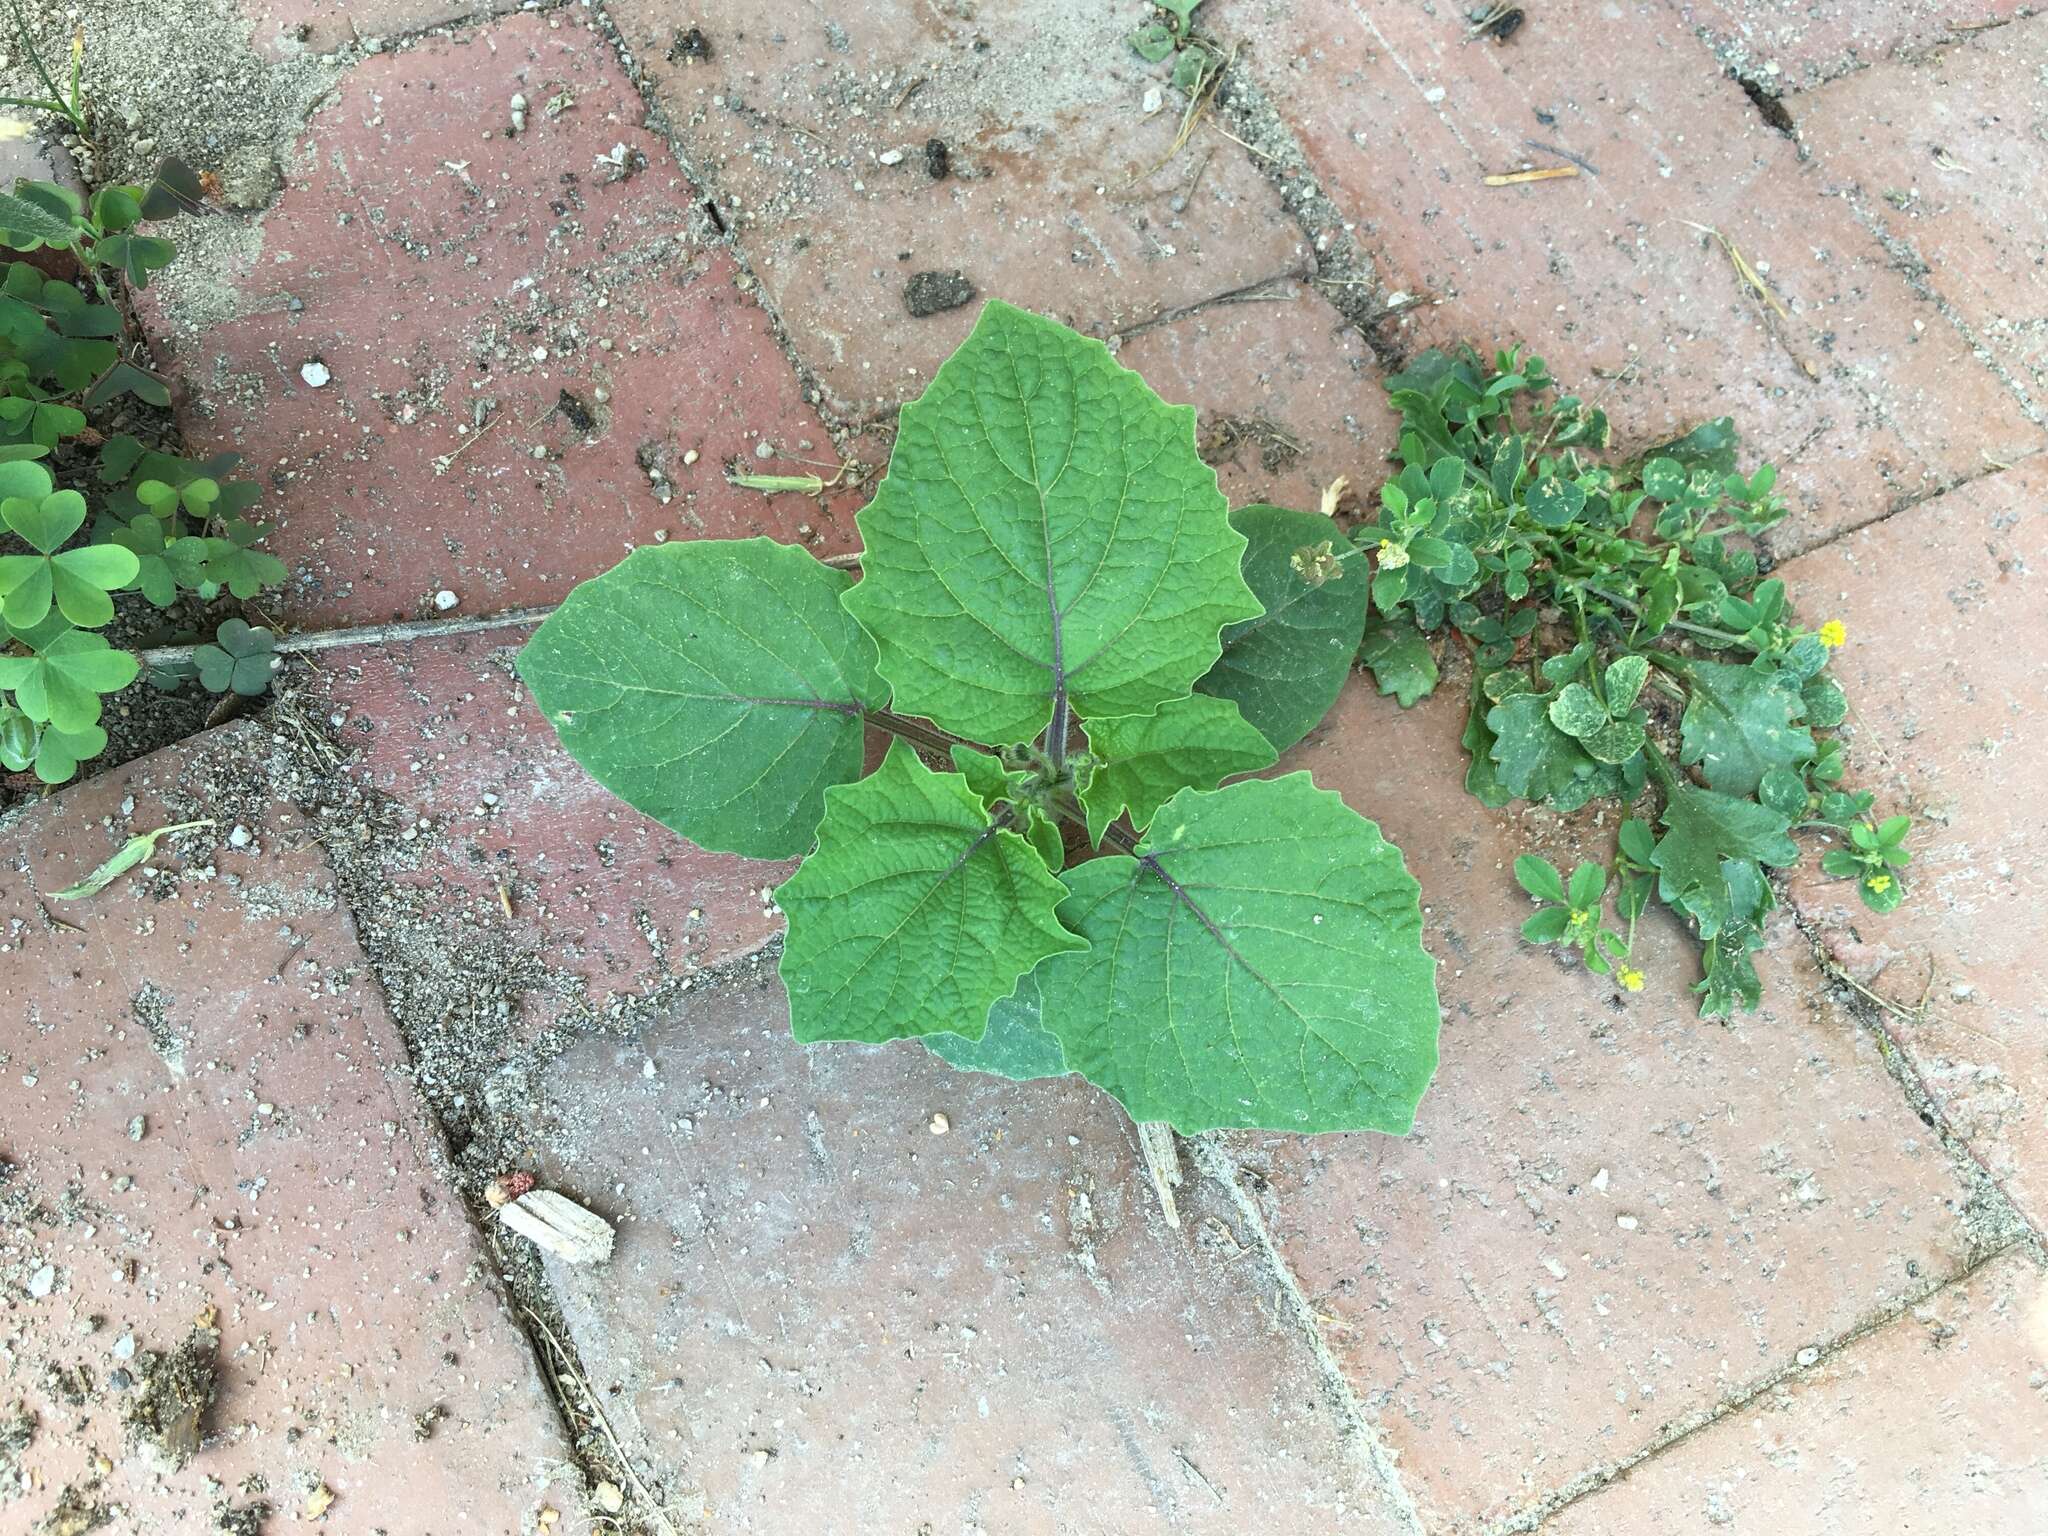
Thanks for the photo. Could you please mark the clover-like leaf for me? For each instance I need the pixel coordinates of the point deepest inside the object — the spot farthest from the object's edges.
(1576, 712)
(1401, 661)
(1016, 1045)
(917, 911)
(1703, 830)
(242, 658)
(717, 686)
(1738, 725)
(1284, 668)
(62, 682)
(1259, 963)
(1046, 537)
(27, 223)
(1145, 760)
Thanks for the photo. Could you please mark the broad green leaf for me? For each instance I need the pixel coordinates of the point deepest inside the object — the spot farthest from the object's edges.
(1738, 725)
(1731, 980)
(24, 225)
(1539, 877)
(1017, 1044)
(1704, 828)
(717, 686)
(1615, 742)
(130, 854)
(59, 753)
(1401, 661)
(1046, 531)
(1482, 778)
(1285, 668)
(915, 912)
(1624, 682)
(1823, 704)
(62, 683)
(1260, 963)
(1710, 445)
(1533, 759)
(1554, 503)
(1145, 760)
(46, 521)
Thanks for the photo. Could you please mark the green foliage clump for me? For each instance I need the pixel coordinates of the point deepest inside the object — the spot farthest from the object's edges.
(1079, 650)
(1626, 646)
(160, 525)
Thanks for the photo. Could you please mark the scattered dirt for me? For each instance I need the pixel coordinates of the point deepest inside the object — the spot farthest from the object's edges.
(17, 1429)
(166, 1416)
(931, 293)
(77, 1512)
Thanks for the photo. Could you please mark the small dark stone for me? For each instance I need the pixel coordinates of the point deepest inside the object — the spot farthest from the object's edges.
(938, 160)
(931, 293)
(575, 412)
(691, 44)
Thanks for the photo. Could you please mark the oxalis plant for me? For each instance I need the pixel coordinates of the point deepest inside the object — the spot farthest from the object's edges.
(1624, 646)
(1072, 642)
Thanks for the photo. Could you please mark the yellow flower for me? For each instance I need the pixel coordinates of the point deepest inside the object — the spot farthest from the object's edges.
(1834, 633)
(1879, 884)
(1631, 978)
(1392, 556)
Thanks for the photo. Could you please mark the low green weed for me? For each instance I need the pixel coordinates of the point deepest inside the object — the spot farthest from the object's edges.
(133, 518)
(1625, 646)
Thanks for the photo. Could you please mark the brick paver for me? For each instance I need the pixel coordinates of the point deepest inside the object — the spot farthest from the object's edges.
(822, 1317)
(205, 1118)
(515, 839)
(1941, 603)
(1926, 149)
(1861, 391)
(1612, 1214)
(1045, 202)
(453, 278)
(1936, 1423)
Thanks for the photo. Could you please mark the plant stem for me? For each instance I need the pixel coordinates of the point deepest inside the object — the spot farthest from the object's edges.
(1628, 607)
(919, 732)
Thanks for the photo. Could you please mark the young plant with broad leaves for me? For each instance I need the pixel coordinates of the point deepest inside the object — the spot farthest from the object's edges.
(1059, 865)
(1624, 645)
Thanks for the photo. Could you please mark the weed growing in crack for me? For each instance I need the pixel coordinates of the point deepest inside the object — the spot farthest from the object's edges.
(1624, 646)
(163, 526)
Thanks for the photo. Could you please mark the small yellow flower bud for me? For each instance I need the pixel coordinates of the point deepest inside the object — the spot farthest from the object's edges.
(1631, 978)
(1879, 884)
(1834, 633)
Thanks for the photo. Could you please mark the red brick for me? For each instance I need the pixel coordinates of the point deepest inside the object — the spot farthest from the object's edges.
(1970, 215)
(1864, 395)
(1291, 362)
(1935, 1423)
(1946, 615)
(1612, 1214)
(605, 900)
(426, 294)
(1791, 47)
(823, 1318)
(1041, 110)
(288, 1182)
(284, 28)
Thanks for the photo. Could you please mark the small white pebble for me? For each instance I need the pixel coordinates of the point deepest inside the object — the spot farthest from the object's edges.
(315, 374)
(1627, 1223)
(445, 600)
(891, 157)
(940, 1124)
(241, 837)
(764, 450)
(690, 457)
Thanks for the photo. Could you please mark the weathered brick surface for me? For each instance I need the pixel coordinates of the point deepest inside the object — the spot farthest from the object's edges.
(283, 28)
(1046, 204)
(1288, 395)
(1612, 1214)
(822, 1317)
(205, 1114)
(1943, 604)
(1792, 47)
(449, 276)
(1935, 1423)
(513, 838)
(1926, 148)
(1861, 391)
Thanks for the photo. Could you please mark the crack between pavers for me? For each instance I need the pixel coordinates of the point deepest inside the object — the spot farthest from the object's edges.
(1358, 1428)
(1997, 1206)
(1746, 66)
(1533, 1517)
(1904, 503)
